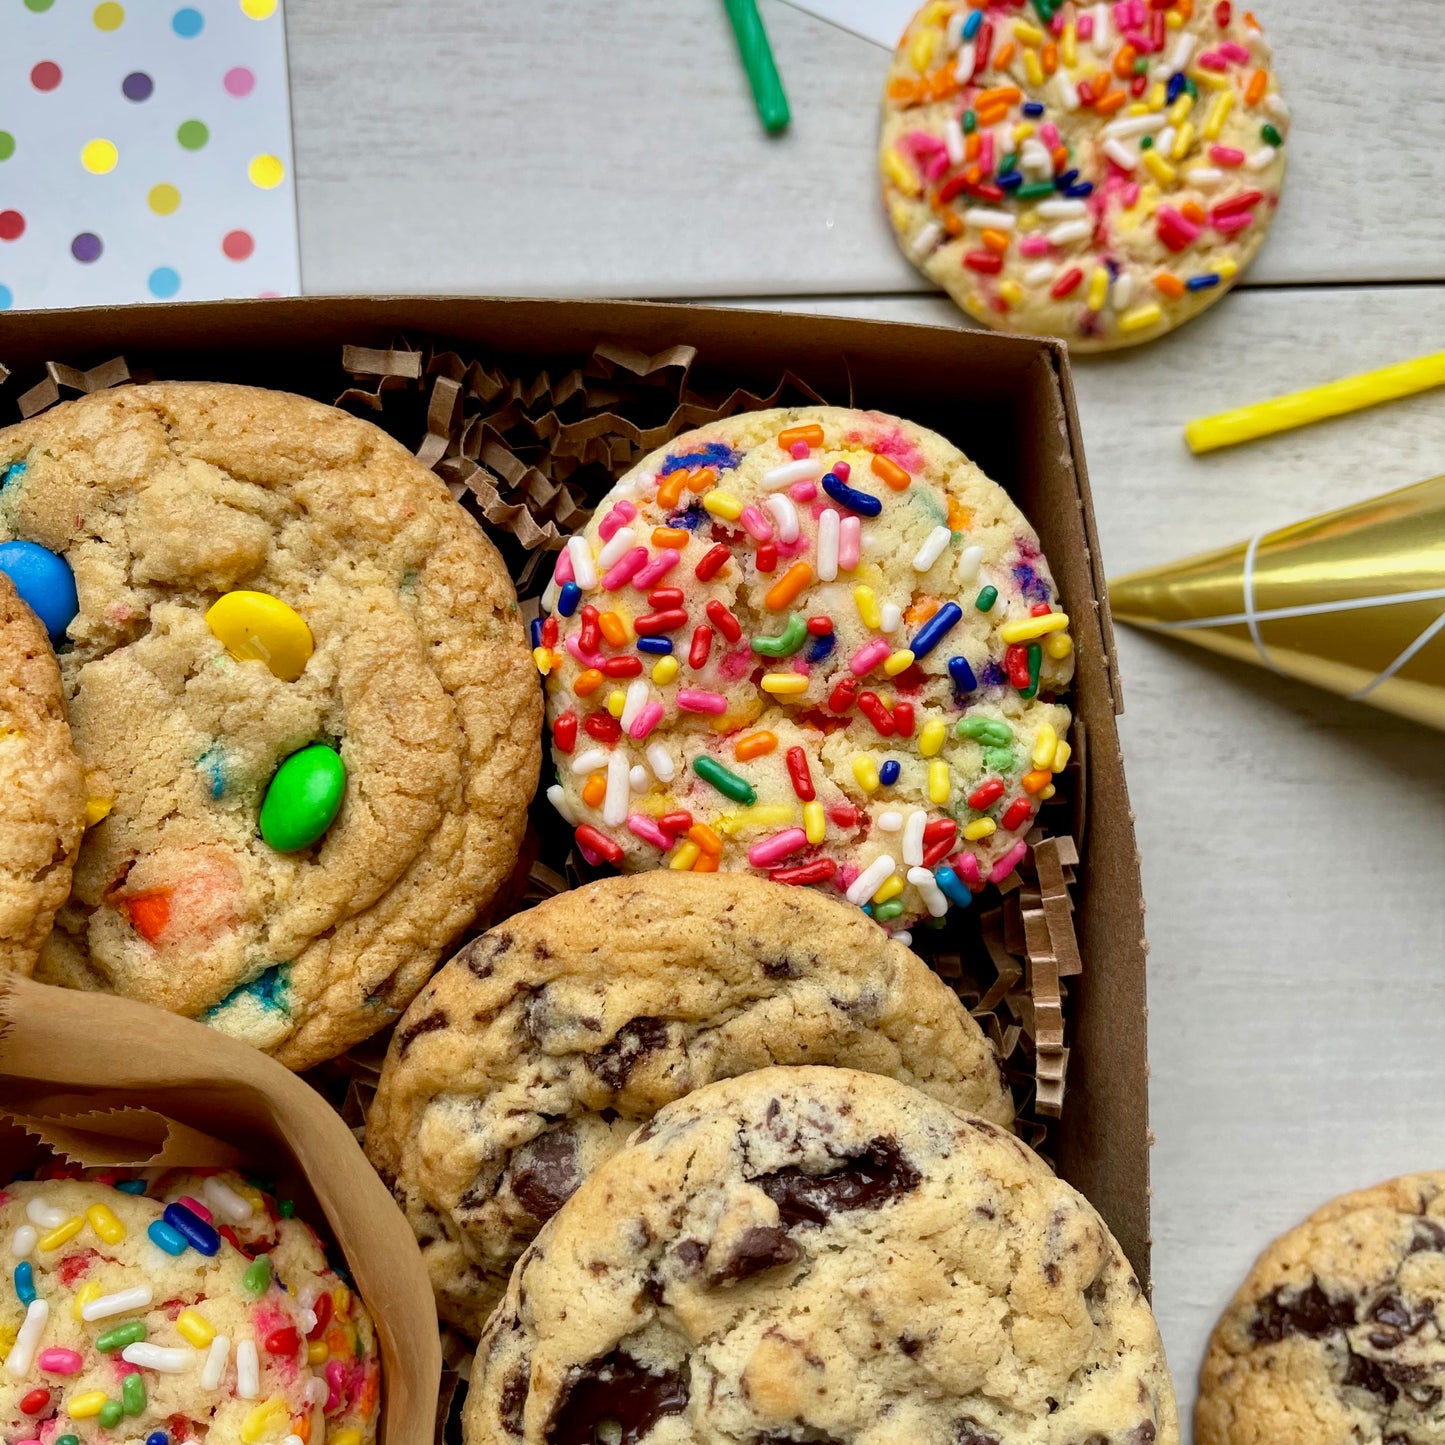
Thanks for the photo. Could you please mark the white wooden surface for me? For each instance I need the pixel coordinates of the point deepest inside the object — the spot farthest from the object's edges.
(1293, 843)
(455, 145)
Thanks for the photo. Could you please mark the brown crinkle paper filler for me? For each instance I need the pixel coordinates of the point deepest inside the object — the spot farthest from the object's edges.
(531, 456)
(58, 377)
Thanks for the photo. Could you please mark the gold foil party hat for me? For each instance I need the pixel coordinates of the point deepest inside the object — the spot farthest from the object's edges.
(1353, 601)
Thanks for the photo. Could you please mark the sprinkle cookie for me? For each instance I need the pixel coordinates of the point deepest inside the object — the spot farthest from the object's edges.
(822, 1255)
(42, 786)
(302, 669)
(192, 1308)
(1335, 1335)
(1096, 172)
(533, 1054)
(817, 644)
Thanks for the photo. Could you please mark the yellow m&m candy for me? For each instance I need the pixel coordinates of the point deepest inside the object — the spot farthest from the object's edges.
(256, 627)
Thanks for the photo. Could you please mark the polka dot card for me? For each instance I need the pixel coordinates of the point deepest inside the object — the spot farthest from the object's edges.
(145, 152)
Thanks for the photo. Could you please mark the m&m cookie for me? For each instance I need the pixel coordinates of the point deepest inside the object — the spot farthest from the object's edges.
(1096, 172)
(817, 644)
(299, 668)
(42, 785)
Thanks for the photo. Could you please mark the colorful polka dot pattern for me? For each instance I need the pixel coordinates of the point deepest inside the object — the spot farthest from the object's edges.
(145, 149)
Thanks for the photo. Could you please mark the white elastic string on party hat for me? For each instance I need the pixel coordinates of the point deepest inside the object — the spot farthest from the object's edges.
(1310, 609)
(1403, 658)
(1250, 615)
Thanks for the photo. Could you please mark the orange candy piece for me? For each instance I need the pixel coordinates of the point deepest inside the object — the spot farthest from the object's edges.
(1168, 284)
(788, 587)
(941, 85)
(149, 913)
(890, 472)
(669, 489)
(594, 790)
(673, 537)
(755, 745)
(368, 1396)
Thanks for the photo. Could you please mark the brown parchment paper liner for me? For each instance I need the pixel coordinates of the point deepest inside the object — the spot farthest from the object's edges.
(108, 1081)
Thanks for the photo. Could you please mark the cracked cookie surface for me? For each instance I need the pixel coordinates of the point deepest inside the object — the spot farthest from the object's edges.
(1336, 1334)
(828, 1256)
(164, 498)
(528, 1060)
(42, 786)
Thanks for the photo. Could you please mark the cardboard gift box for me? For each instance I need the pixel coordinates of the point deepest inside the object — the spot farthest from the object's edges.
(1006, 401)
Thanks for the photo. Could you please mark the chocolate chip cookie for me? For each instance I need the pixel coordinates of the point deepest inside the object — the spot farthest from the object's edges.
(302, 667)
(828, 1256)
(534, 1053)
(42, 786)
(1336, 1334)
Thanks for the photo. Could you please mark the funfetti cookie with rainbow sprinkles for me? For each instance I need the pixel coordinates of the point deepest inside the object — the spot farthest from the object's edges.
(1100, 173)
(173, 1309)
(301, 668)
(817, 644)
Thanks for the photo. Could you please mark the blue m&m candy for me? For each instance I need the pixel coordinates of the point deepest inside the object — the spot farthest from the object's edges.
(45, 584)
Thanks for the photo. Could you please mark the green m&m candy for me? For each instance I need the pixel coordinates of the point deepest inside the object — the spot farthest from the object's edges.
(303, 798)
